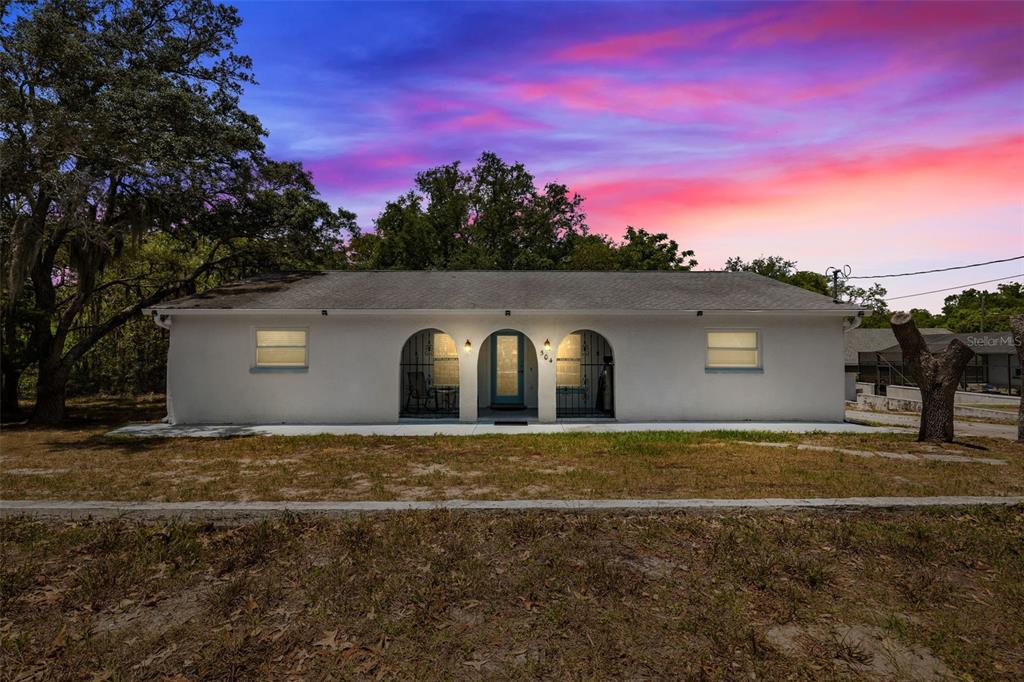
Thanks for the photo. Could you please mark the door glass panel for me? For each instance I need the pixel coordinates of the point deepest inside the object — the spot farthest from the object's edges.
(507, 368)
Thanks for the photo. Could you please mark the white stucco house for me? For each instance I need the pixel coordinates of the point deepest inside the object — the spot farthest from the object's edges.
(379, 347)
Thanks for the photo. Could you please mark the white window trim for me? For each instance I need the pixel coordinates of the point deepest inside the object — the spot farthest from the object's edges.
(739, 369)
(255, 366)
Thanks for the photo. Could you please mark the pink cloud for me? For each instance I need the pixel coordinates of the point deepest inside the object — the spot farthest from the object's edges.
(868, 20)
(861, 199)
(802, 23)
(447, 112)
(636, 45)
(612, 94)
(713, 100)
(367, 168)
(491, 120)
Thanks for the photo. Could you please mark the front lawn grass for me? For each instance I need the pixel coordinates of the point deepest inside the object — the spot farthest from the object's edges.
(444, 595)
(78, 461)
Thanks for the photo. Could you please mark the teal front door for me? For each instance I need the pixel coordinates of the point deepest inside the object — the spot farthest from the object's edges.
(507, 369)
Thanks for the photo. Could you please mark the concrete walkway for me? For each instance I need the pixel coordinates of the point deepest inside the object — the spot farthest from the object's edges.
(245, 510)
(457, 429)
(960, 426)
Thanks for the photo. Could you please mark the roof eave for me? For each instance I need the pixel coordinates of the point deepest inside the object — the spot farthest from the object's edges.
(823, 312)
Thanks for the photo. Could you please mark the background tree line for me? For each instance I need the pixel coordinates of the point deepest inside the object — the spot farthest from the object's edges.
(969, 311)
(493, 217)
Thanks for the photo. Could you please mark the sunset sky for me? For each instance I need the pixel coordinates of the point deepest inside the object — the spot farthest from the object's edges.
(889, 137)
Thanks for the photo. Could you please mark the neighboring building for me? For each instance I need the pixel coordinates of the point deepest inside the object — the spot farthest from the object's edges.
(380, 346)
(994, 367)
(860, 345)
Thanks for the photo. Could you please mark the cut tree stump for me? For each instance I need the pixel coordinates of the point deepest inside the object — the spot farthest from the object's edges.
(937, 376)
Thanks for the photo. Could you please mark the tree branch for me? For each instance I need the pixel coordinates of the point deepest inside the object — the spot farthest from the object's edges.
(82, 347)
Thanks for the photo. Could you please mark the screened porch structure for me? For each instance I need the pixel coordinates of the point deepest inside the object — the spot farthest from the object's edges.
(584, 377)
(993, 369)
(429, 378)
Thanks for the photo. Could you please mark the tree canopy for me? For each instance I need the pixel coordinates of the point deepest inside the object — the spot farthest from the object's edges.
(494, 217)
(961, 313)
(130, 175)
(784, 270)
(974, 310)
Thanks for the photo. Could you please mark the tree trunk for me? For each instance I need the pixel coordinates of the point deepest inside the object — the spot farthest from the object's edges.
(51, 391)
(937, 376)
(1017, 327)
(11, 377)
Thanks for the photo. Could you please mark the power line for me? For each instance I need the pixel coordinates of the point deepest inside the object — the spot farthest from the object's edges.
(962, 286)
(925, 272)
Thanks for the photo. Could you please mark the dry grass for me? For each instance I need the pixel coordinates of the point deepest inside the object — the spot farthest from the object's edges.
(907, 595)
(78, 461)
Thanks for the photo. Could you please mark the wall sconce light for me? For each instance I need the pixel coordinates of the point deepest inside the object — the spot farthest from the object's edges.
(547, 345)
(468, 346)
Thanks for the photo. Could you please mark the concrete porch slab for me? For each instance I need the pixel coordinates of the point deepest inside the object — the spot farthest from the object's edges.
(450, 429)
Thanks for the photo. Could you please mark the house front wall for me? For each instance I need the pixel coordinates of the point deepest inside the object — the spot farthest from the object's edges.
(354, 375)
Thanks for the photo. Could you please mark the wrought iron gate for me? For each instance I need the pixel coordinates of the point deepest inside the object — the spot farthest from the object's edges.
(585, 376)
(429, 376)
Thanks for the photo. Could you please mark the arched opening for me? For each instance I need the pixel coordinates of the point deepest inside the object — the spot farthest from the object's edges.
(429, 380)
(507, 376)
(584, 376)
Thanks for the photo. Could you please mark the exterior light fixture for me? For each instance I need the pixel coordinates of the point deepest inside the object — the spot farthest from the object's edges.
(468, 346)
(547, 345)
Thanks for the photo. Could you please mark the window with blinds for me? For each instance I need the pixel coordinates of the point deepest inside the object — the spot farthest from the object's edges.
(569, 362)
(281, 348)
(446, 361)
(733, 350)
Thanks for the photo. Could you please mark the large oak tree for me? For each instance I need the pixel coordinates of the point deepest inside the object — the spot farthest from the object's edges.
(129, 166)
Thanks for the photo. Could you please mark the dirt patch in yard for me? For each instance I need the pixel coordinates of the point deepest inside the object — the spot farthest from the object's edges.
(428, 469)
(861, 650)
(468, 492)
(153, 615)
(34, 472)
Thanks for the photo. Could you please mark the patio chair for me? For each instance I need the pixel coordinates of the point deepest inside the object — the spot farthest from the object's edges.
(419, 393)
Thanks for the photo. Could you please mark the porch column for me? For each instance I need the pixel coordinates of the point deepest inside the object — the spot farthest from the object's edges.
(467, 383)
(546, 388)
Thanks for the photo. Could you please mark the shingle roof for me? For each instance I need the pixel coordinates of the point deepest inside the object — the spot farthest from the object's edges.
(497, 290)
(873, 340)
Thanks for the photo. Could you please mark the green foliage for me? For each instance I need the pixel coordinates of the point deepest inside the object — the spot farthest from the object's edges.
(783, 270)
(131, 175)
(641, 250)
(963, 312)
(922, 318)
(493, 217)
